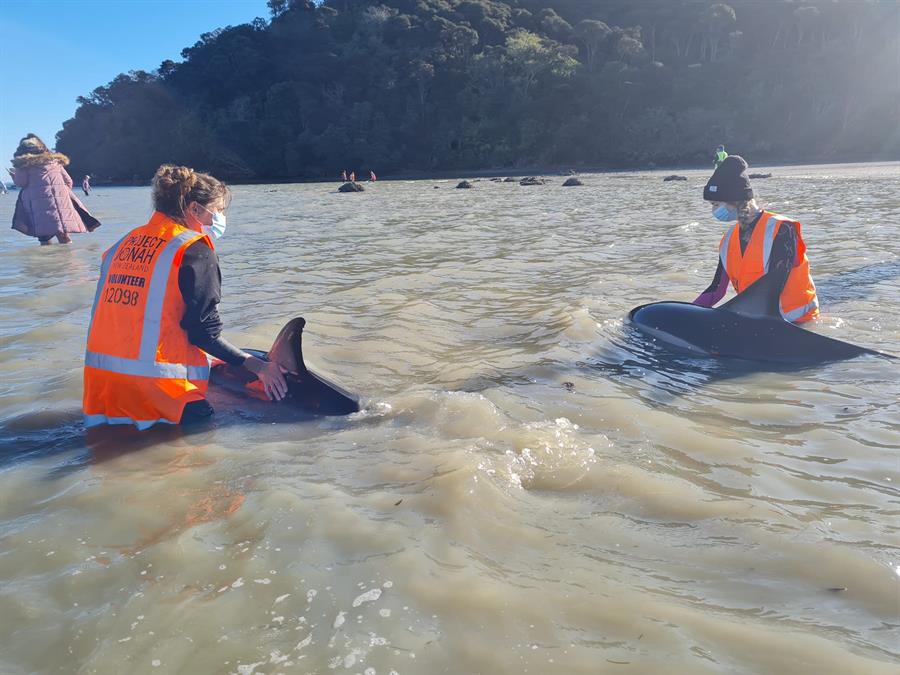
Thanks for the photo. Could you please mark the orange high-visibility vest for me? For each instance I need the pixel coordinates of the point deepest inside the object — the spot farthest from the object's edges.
(139, 367)
(798, 299)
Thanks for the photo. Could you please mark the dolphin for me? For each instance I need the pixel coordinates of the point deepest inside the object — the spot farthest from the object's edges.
(748, 327)
(308, 393)
(234, 392)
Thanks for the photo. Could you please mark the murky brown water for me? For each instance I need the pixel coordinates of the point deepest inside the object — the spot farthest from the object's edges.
(529, 489)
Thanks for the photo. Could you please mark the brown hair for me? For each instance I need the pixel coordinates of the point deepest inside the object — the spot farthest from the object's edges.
(31, 145)
(174, 187)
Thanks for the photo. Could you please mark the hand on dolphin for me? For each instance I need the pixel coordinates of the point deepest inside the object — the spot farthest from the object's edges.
(270, 374)
(750, 326)
(305, 392)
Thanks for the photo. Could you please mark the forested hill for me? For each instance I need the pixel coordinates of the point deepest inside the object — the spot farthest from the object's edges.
(400, 85)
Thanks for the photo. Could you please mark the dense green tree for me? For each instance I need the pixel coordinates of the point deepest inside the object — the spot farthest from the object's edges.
(398, 85)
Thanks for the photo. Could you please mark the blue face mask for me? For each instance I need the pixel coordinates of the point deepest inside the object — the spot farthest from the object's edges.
(217, 227)
(725, 213)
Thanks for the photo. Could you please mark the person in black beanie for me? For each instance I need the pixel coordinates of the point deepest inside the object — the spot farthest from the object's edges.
(759, 243)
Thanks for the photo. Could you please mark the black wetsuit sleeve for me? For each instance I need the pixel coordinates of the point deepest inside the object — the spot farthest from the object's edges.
(784, 252)
(200, 282)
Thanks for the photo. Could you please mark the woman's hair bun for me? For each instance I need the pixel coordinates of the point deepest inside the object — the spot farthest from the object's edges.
(174, 187)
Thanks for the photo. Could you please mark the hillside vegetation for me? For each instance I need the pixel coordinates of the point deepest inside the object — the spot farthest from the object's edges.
(401, 85)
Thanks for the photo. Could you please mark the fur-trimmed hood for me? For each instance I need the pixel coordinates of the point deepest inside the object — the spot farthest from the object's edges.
(25, 161)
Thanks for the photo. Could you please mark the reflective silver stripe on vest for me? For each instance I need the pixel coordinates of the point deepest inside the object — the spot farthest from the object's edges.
(104, 271)
(141, 368)
(94, 420)
(795, 314)
(146, 364)
(156, 295)
(723, 249)
(771, 225)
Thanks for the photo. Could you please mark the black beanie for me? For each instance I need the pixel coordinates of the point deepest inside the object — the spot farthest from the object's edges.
(729, 182)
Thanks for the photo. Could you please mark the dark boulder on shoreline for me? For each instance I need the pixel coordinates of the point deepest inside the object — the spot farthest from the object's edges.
(760, 175)
(496, 180)
(532, 180)
(510, 179)
(463, 185)
(674, 177)
(351, 187)
(571, 182)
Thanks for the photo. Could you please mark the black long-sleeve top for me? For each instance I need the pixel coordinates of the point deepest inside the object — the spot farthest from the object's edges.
(200, 282)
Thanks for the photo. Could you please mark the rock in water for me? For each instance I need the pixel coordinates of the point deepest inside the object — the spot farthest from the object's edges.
(510, 179)
(674, 177)
(463, 184)
(532, 180)
(572, 181)
(760, 175)
(351, 187)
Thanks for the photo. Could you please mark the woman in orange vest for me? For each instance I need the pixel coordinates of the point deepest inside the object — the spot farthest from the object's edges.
(155, 315)
(759, 242)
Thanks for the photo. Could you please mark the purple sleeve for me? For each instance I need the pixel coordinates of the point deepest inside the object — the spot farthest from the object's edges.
(716, 290)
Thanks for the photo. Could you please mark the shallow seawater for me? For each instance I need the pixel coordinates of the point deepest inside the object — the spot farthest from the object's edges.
(530, 487)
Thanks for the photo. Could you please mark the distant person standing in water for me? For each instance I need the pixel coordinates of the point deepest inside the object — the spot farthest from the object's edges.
(352, 176)
(758, 244)
(86, 185)
(46, 206)
(720, 156)
(344, 175)
(372, 176)
(3, 190)
(155, 314)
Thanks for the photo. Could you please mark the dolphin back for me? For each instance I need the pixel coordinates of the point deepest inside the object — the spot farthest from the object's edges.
(307, 391)
(312, 392)
(754, 336)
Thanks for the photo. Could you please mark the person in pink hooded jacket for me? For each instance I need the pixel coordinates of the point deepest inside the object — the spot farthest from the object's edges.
(46, 206)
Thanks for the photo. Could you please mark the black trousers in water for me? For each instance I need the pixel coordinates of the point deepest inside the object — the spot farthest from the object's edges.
(196, 411)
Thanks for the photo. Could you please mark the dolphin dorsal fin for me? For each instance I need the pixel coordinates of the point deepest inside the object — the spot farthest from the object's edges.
(762, 299)
(287, 350)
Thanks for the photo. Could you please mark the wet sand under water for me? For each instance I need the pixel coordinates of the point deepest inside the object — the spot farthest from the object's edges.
(530, 488)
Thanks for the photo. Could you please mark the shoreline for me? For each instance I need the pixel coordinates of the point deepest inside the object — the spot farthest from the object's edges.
(497, 172)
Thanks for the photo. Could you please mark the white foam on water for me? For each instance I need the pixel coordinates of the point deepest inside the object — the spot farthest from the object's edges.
(549, 455)
(368, 596)
(339, 620)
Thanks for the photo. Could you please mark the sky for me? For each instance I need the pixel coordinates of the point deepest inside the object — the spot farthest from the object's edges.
(52, 51)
